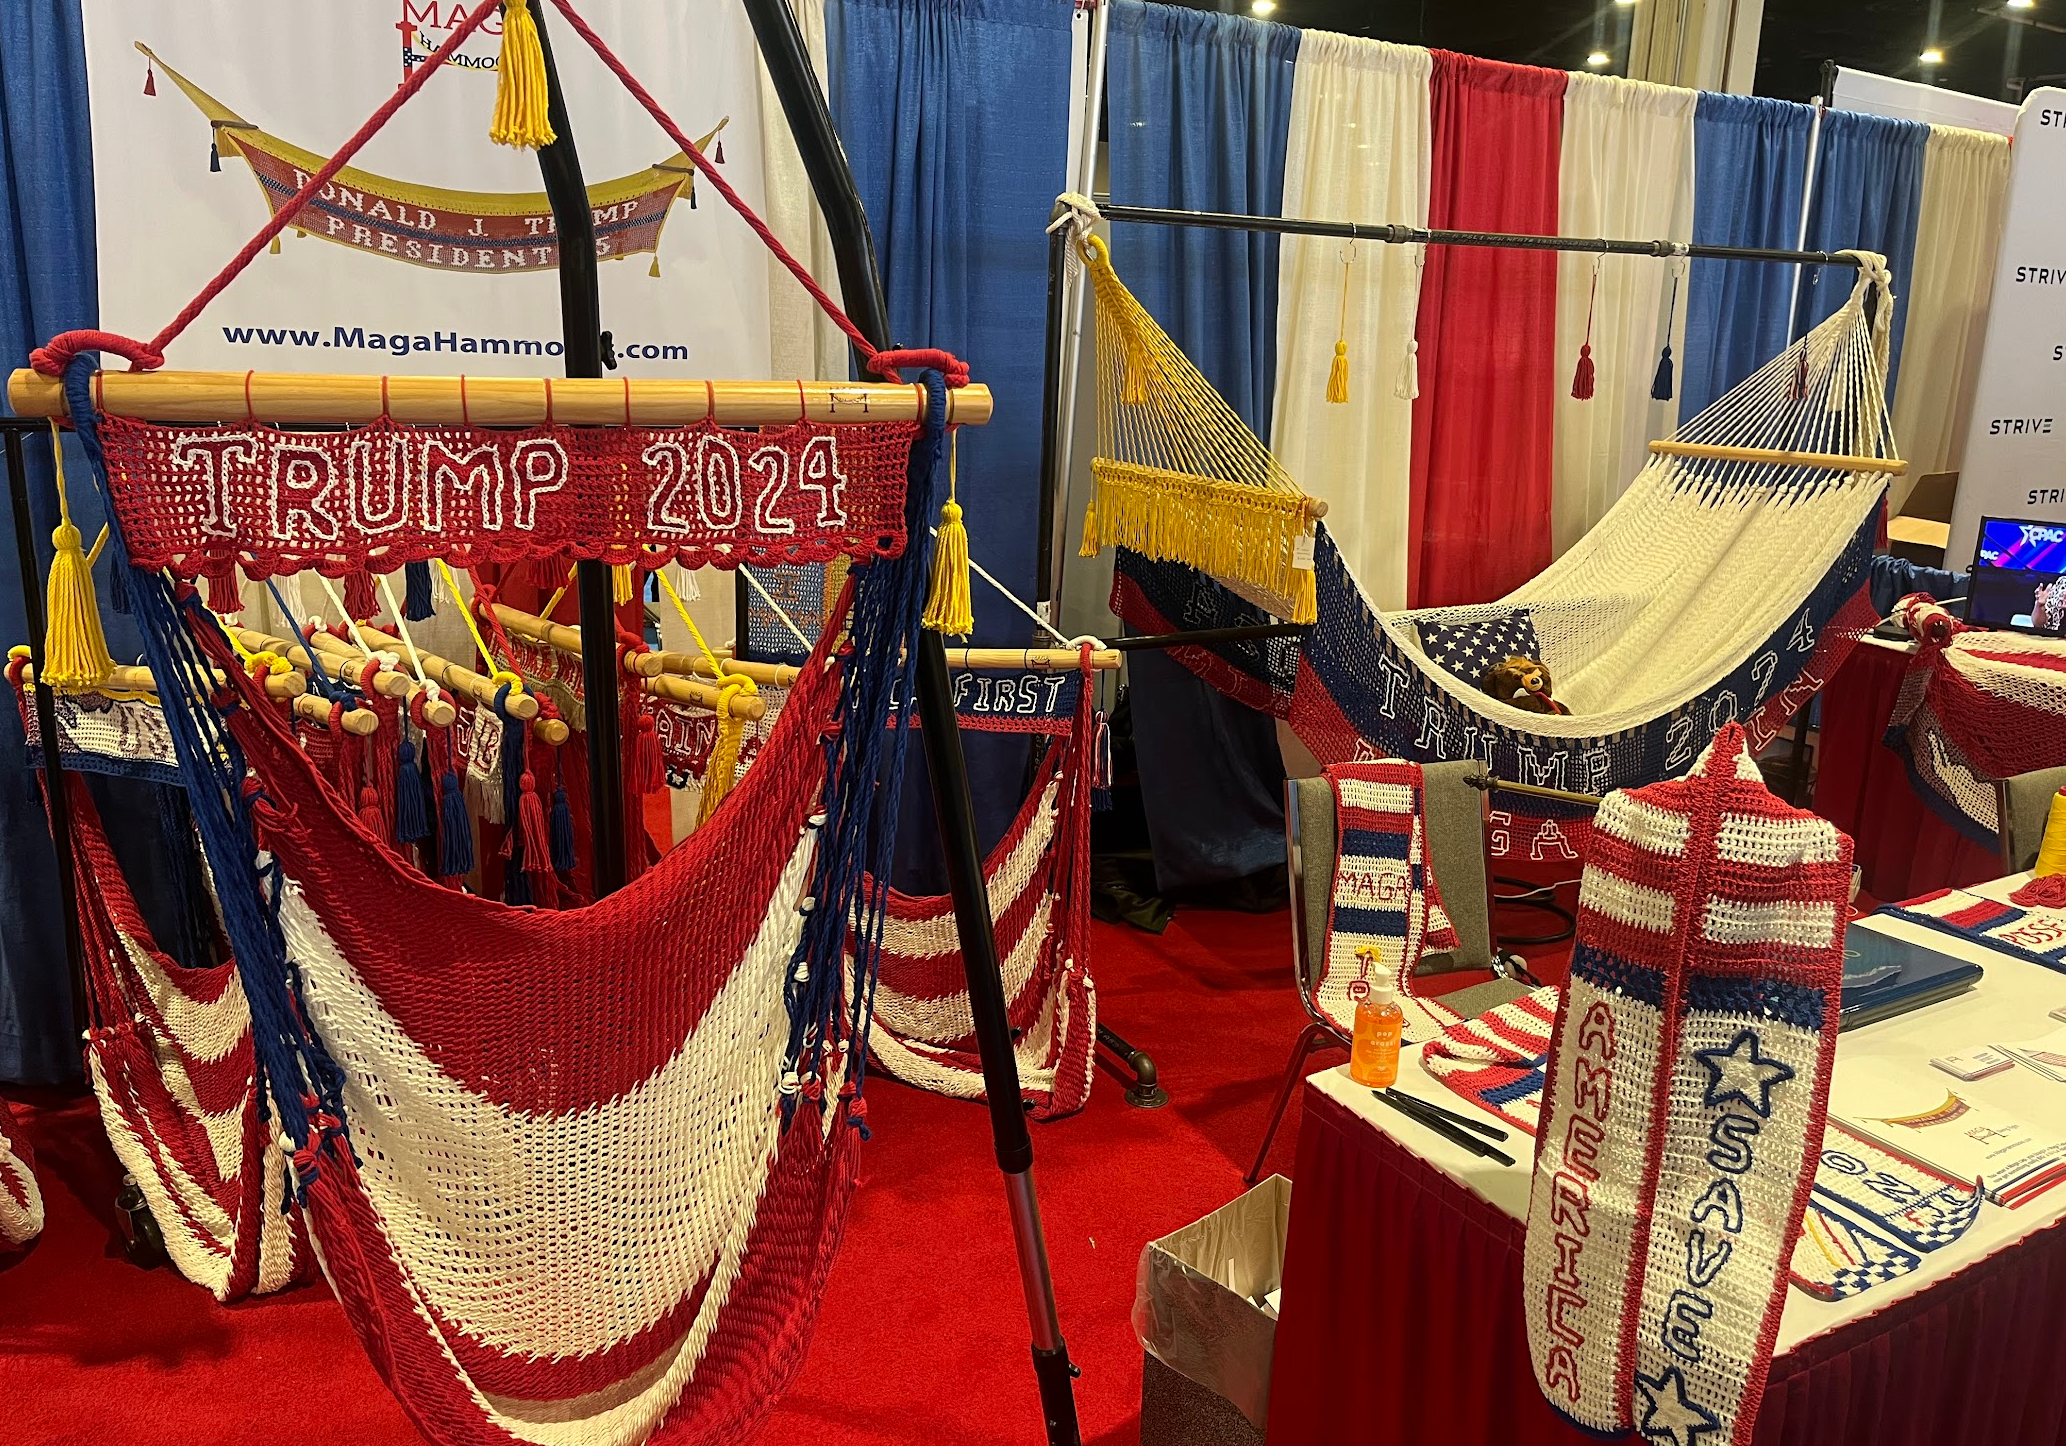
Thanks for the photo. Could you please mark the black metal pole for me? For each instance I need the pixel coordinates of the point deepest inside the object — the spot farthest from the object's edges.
(803, 103)
(1199, 637)
(581, 329)
(46, 713)
(1411, 235)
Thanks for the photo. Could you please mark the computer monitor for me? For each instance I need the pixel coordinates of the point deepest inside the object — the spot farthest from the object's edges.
(2019, 576)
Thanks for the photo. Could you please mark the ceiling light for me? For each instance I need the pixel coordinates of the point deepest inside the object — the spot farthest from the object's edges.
(1263, 7)
(2022, 4)
(1631, 2)
(1599, 58)
(1932, 56)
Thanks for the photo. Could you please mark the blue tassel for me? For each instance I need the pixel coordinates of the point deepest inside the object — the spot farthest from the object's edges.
(417, 603)
(516, 889)
(562, 826)
(214, 157)
(455, 829)
(118, 590)
(1661, 384)
(411, 822)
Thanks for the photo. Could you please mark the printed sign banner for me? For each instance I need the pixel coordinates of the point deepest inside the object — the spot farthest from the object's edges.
(2013, 453)
(435, 252)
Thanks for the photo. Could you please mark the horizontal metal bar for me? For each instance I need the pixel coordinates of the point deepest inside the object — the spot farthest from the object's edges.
(1393, 235)
(1202, 636)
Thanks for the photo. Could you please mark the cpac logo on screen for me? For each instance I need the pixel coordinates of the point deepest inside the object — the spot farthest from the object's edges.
(1571, 1201)
(425, 24)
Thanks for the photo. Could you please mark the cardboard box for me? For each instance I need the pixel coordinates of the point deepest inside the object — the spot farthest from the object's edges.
(1199, 1309)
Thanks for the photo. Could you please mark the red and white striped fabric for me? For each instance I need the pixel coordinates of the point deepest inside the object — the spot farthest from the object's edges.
(1687, 1091)
(21, 1199)
(574, 1210)
(1975, 707)
(170, 1058)
(1038, 880)
(1496, 1060)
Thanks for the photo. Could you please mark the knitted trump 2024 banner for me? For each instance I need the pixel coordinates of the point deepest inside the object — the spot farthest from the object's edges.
(1688, 1082)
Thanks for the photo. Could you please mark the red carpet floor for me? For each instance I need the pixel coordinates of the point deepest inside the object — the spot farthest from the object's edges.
(923, 1335)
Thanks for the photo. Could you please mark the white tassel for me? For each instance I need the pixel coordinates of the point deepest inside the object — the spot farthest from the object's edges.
(1409, 371)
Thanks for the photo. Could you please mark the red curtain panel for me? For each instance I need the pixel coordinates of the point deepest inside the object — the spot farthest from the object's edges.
(1482, 440)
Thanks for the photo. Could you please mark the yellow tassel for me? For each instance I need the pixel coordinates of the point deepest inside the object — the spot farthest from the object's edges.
(520, 90)
(274, 249)
(2051, 854)
(723, 769)
(654, 270)
(1338, 374)
(75, 650)
(948, 608)
(621, 587)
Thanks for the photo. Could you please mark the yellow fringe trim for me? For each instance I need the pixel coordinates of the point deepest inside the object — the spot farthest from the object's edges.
(1230, 530)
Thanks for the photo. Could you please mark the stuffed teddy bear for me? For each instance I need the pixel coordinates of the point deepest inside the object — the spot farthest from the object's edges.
(1523, 683)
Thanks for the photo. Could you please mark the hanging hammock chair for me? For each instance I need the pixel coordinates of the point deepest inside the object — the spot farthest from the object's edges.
(922, 1030)
(576, 1177)
(1726, 585)
(168, 1048)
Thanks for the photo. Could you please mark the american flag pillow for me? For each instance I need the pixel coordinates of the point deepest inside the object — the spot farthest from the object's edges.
(1468, 649)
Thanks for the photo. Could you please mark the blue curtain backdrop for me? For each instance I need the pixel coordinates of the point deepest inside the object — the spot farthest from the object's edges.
(1750, 160)
(1868, 190)
(47, 285)
(1198, 110)
(957, 114)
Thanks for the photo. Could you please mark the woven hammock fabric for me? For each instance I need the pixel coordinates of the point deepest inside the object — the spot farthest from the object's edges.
(170, 1058)
(21, 1198)
(1037, 879)
(576, 1177)
(1687, 1094)
(1177, 474)
(1973, 708)
(198, 500)
(1714, 591)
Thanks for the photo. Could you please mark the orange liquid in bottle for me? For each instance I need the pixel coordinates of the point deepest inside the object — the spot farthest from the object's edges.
(1374, 1054)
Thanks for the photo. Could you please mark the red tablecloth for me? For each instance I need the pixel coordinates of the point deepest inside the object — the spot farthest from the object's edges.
(1862, 787)
(1402, 1322)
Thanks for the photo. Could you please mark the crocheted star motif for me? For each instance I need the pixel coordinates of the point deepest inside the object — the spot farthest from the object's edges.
(1737, 1070)
(1666, 1414)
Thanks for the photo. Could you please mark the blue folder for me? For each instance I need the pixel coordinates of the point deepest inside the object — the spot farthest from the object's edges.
(1885, 976)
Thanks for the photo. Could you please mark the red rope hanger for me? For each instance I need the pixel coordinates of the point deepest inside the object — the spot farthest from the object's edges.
(52, 359)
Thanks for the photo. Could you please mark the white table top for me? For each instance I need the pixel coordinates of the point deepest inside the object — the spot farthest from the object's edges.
(2013, 1002)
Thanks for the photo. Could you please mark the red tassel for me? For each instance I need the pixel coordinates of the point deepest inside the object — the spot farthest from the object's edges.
(647, 774)
(531, 825)
(1800, 375)
(369, 811)
(150, 79)
(223, 596)
(1582, 378)
(360, 600)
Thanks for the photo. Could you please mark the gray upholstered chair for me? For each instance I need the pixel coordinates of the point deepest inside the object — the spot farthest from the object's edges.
(1456, 817)
(2022, 804)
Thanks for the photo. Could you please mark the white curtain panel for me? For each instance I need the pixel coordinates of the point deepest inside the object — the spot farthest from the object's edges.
(1627, 173)
(1958, 231)
(802, 340)
(1358, 151)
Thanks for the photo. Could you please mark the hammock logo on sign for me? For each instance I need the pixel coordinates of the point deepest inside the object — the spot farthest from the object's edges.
(422, 17)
